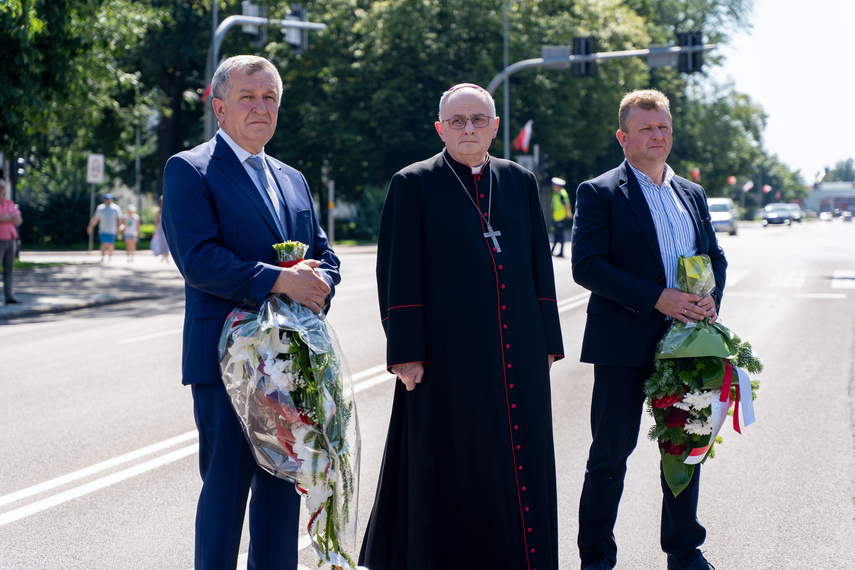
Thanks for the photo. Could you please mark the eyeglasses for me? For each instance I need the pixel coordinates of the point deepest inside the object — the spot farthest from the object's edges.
(458, 122)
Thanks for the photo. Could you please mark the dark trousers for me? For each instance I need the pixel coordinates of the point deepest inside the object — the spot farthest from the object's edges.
(7, 258)
(616, 407)
(558, 236)
(229, 472)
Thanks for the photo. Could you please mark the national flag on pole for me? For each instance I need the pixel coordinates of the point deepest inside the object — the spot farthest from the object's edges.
(206, 94)
(766, 188)
(524, 138)
(748, 186)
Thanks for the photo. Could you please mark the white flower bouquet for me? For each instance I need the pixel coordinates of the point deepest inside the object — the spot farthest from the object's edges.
(289, 385)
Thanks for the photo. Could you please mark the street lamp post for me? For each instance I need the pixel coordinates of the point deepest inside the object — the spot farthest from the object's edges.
(506, 104)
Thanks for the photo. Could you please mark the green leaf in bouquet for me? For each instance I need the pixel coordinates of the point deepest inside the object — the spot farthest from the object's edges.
(695, 275)
(712, 373)
(677, 474)
(702, 339)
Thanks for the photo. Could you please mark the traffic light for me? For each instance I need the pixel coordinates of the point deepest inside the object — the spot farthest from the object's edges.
(584, 46)
(690, 62)
(257, 34)
(19, 168)
(298, 39)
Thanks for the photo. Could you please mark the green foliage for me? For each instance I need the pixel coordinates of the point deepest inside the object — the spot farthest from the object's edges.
(55, 205)
(844, 171)
(82, 75)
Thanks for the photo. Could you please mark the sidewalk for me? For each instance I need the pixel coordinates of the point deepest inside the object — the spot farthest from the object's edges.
(85, 282)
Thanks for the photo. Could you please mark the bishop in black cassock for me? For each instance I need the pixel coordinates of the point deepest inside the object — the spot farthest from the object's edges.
(467, 298)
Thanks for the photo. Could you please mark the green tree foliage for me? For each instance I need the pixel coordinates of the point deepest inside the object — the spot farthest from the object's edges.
(364, 94)
(844, 171)
(40, 41)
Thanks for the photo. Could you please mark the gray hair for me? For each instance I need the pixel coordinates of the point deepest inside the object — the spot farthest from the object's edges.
(221, 83)
(473, 87)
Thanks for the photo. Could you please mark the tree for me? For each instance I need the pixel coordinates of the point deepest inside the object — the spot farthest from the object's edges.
(844, 171)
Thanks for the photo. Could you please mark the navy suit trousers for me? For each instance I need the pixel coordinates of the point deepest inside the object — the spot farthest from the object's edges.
(229, 473)
(616, 407)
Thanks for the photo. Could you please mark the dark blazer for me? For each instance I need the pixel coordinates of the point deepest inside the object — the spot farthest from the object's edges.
(221, 234)
(616, 256)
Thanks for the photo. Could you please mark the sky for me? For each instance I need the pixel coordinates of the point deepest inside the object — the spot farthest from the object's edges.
(798, 64)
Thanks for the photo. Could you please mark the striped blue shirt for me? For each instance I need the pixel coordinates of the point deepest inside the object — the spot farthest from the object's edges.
(674, 229)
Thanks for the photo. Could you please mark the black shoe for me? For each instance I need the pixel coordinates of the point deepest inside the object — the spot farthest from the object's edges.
(12, 301)
(699, 563)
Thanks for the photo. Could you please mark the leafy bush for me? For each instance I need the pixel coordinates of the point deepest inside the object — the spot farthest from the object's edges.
(54, 202)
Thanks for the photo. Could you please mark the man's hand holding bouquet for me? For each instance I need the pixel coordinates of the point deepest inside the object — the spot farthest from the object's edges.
(700, 372)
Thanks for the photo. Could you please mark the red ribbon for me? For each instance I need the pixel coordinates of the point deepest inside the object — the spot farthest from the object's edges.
(289, 263)
(728, 378)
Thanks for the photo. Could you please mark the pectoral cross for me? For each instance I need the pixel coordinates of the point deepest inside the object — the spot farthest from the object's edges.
(491, 233)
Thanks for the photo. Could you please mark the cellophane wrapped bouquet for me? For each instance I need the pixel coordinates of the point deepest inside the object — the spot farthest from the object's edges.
(700, 372)
(290, 386)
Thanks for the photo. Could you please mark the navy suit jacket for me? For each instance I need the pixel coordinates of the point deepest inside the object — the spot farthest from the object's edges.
(616, 256)
(221, 234)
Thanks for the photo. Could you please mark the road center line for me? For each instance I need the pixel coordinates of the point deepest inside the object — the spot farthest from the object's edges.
(98, 467)
(97, 484)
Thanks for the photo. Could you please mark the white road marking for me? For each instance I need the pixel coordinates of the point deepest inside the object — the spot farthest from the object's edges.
(149, 336)
(821, 295)
(98, 467)
(573, 302)
(749, 295)
(787, 280)
(96, 485)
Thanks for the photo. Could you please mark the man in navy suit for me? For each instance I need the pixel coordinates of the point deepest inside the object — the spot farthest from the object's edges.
(631, 224)
(225, 203)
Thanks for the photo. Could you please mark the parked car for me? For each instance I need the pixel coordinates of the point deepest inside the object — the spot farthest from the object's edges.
(723, 215)
(777, 214)
(826, 216)
(846, 216)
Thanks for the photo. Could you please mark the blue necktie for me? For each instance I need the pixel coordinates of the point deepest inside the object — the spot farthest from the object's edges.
(277, 208)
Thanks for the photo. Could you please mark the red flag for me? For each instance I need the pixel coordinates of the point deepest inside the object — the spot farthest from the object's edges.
(206, 94)
(522, 140)
(766, 188)
(696, 174)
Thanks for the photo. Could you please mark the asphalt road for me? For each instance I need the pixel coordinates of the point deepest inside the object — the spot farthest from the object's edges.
(98, 447)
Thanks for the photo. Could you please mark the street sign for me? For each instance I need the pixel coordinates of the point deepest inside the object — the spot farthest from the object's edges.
(95, 169)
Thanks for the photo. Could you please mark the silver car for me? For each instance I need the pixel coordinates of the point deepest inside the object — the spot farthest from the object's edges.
(723, 215)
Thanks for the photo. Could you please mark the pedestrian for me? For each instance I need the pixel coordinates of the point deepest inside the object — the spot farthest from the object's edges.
(159, 246)
(130, 229)
(107, 216)
(560, 213)
(631, 225)
(10, 219)
(225, 204)
(467, 300)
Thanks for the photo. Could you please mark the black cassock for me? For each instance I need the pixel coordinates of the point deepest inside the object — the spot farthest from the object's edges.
(468, 474)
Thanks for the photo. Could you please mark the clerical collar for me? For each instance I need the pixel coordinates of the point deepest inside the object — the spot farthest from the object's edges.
(473, 169)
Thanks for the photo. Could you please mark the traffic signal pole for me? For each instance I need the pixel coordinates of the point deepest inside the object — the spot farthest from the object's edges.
(217, 40)
(562, 62)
